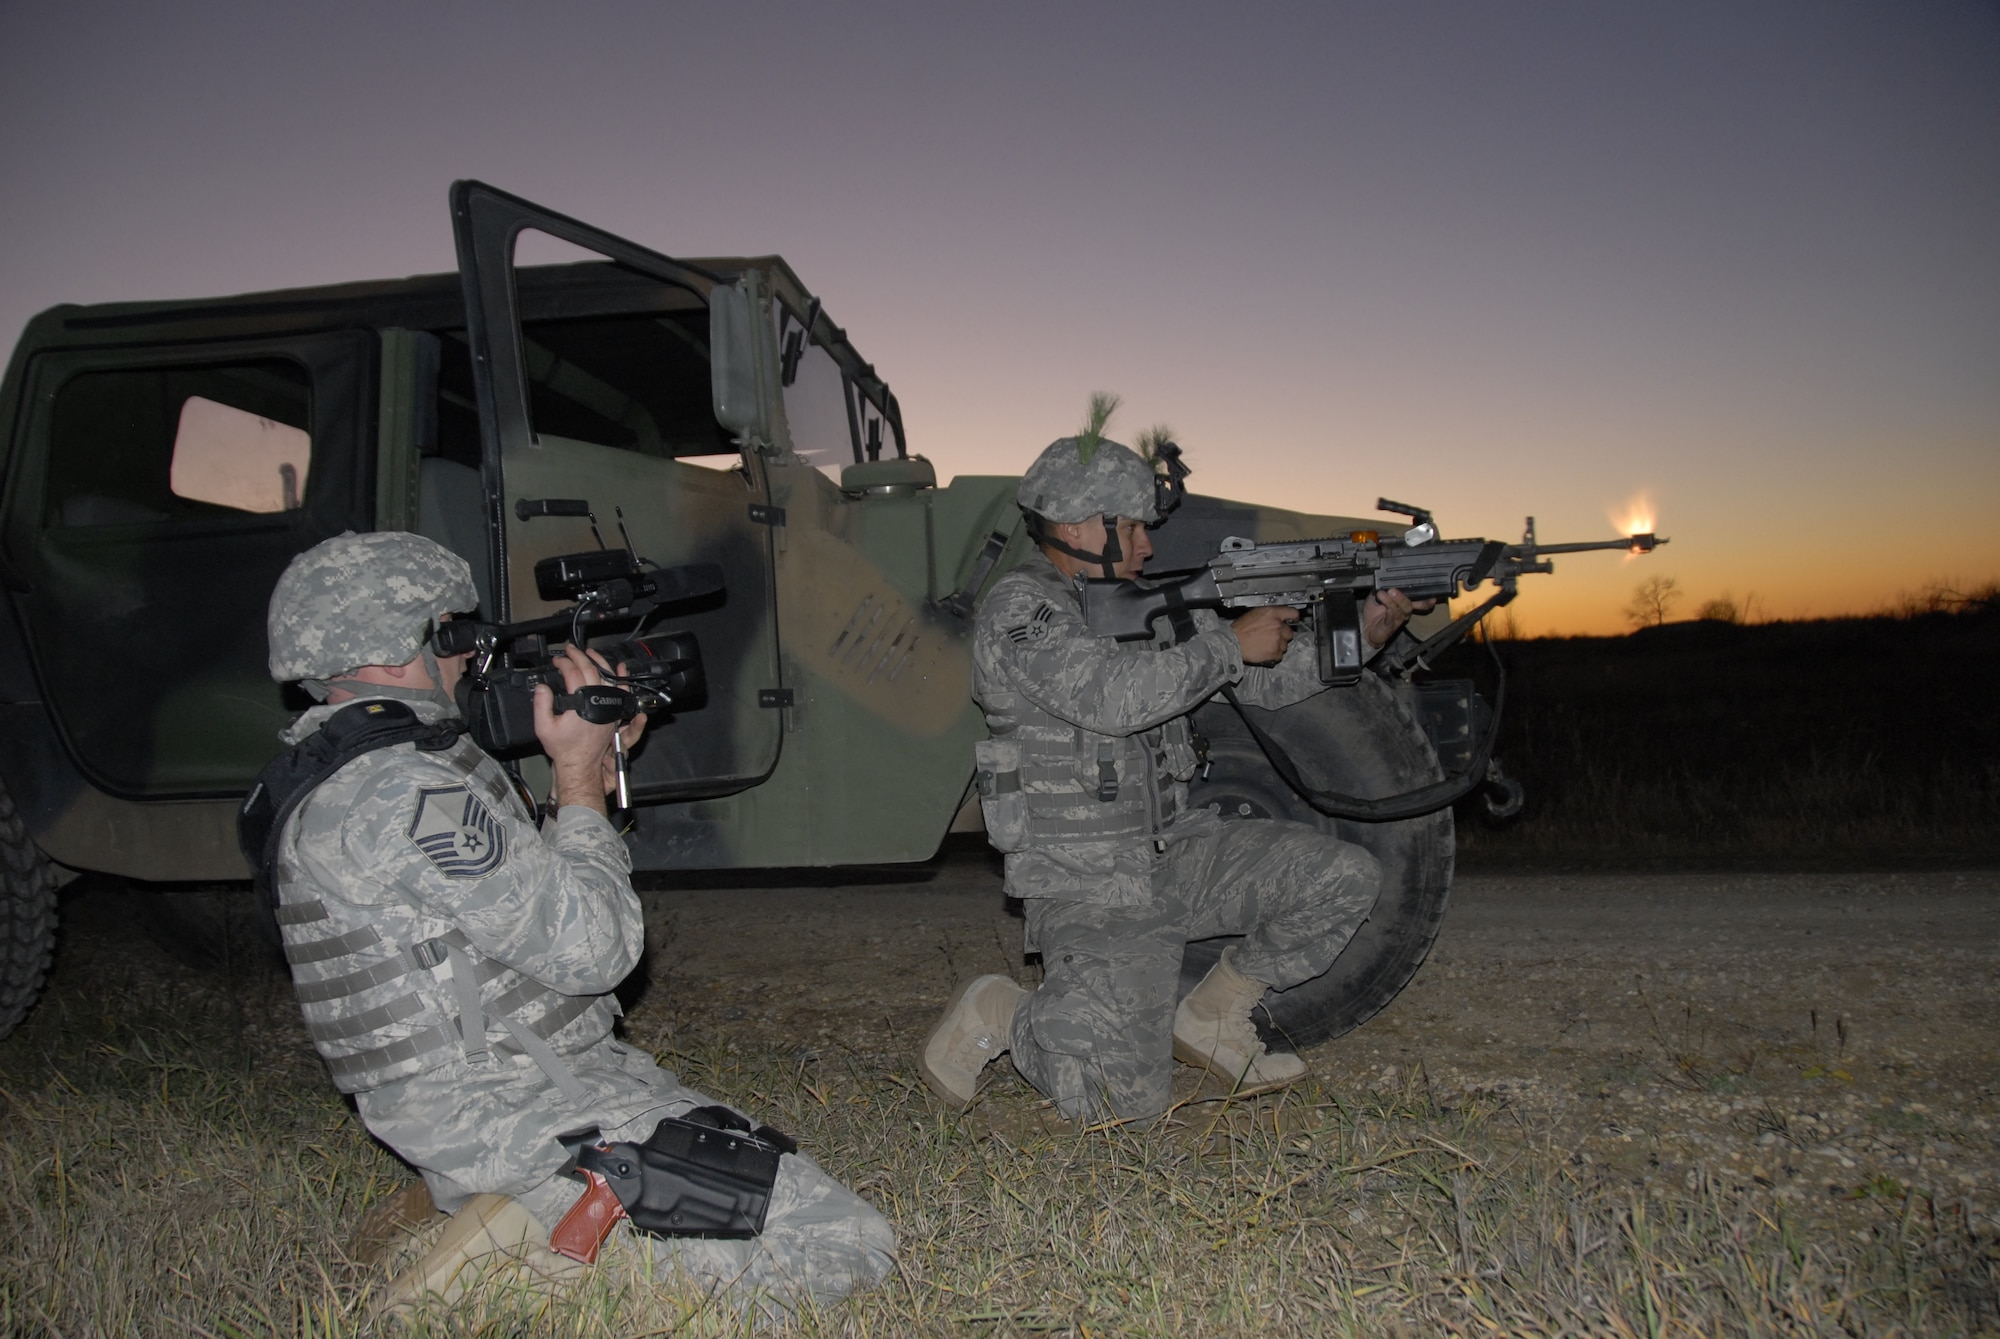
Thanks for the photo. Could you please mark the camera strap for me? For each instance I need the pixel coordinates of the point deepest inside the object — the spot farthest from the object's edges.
(286, 781)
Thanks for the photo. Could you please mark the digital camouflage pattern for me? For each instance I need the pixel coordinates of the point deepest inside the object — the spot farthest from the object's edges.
(1116, 887)
(1098, 1035)
(1076, 480)
(401, 847)
(358, 600)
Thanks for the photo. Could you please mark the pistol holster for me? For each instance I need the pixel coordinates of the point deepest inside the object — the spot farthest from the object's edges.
(705, 1174)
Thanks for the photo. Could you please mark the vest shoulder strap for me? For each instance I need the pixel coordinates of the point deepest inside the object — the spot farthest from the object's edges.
(289, 778)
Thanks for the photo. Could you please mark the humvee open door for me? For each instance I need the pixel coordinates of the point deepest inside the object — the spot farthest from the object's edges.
(604, 436)
(837, 727)
(165, 460)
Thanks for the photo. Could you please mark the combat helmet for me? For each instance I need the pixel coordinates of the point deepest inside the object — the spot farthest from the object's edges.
(356, 600)
(1089, 476)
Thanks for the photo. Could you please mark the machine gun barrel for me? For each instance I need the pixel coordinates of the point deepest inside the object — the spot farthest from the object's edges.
(1644, 543)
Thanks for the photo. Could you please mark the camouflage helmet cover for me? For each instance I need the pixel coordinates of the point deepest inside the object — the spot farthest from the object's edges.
(1068, 483)
(358, 600)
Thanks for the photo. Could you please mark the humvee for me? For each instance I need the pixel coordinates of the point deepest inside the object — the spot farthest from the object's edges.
(164, 460)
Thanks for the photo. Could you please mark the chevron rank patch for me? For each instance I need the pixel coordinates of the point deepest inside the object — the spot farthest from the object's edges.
(457, 833)
(1036, 627)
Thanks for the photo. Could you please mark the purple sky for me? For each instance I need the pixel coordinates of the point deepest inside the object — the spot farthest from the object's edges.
(1495, 259)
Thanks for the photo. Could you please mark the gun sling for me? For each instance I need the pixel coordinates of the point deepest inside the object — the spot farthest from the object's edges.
(1411, 803)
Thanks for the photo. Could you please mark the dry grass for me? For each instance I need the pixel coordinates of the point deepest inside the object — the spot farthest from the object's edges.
(171, 1163)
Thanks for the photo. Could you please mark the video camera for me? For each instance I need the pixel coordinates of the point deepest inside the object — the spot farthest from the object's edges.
(650, 673)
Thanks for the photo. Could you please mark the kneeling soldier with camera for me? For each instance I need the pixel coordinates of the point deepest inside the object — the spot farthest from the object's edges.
(455, 963)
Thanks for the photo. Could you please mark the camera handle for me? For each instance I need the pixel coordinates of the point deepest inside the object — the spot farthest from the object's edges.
(605, 704)
(599, 703)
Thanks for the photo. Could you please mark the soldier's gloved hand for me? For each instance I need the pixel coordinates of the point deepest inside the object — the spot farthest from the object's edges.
(1265, 632)
(1385, 612)
(578, 751)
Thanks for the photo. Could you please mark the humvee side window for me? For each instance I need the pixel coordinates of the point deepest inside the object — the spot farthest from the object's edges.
(139, 445)
(237, 459)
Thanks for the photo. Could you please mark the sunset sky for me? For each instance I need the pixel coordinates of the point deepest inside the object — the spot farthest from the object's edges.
(1741, 259)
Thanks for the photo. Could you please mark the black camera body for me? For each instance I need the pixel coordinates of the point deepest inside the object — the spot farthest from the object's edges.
(660, 672)
(651, 672)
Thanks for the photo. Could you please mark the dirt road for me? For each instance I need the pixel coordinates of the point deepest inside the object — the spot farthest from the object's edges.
(1828, 1036)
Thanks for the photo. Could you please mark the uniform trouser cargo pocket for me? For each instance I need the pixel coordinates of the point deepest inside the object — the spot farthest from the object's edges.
(997, 764)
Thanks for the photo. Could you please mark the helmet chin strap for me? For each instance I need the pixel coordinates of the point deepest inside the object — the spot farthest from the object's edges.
(434, 694)
(1112, 555)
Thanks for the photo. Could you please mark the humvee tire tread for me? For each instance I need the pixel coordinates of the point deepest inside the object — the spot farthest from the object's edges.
(27, 917)
(1357, 741)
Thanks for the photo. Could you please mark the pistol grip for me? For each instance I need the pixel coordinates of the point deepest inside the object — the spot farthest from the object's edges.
(589, 1221)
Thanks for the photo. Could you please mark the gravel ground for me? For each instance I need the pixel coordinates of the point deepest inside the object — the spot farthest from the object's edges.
(1828, 1037)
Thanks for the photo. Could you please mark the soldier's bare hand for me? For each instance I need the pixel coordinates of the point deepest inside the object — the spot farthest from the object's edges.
(1265, 632)
(1386, 611)
(578, 749)
(628, 734)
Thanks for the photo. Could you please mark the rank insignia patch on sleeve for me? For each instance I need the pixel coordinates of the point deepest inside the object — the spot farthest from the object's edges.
(1035, 627)
(457, 833)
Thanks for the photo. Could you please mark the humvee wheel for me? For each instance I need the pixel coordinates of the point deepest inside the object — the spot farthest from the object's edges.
(27, 917)
(1358, 741)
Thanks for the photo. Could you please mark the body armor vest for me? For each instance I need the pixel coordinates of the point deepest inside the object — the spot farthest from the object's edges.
(390, 990)
(1079, 786)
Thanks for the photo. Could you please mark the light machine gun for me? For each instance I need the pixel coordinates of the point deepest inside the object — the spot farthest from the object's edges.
(1334, 576)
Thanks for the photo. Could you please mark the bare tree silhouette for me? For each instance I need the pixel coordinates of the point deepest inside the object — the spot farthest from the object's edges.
(1652, 600)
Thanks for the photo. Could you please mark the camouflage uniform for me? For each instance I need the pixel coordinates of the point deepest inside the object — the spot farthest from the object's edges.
(409, 876)
(1092, 750)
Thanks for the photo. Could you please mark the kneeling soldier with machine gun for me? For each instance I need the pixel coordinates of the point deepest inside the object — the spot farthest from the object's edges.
(455, 963)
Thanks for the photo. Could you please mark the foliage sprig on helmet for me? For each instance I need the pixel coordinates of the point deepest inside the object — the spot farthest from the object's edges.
(1090, 477)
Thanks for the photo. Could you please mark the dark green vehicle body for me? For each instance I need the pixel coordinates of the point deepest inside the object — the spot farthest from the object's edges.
(711, 409)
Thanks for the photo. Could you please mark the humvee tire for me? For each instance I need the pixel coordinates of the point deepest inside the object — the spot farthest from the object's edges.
(27, 917)
(1358, 741)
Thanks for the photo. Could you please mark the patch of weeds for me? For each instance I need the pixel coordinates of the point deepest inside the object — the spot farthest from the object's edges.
(1771, 1119)
(1880, 1187)
(1686, 1042)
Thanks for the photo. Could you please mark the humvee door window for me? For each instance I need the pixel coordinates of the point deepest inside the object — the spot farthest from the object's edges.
(638, 383)
(139, 445)
(237, 459)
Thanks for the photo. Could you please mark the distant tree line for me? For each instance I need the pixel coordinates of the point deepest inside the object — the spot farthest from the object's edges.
(1654, 599)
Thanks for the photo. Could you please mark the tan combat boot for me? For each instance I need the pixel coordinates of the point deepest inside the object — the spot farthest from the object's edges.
(490, 1233)
(1212, 1031)
(390, 1224)
(977, 1026)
